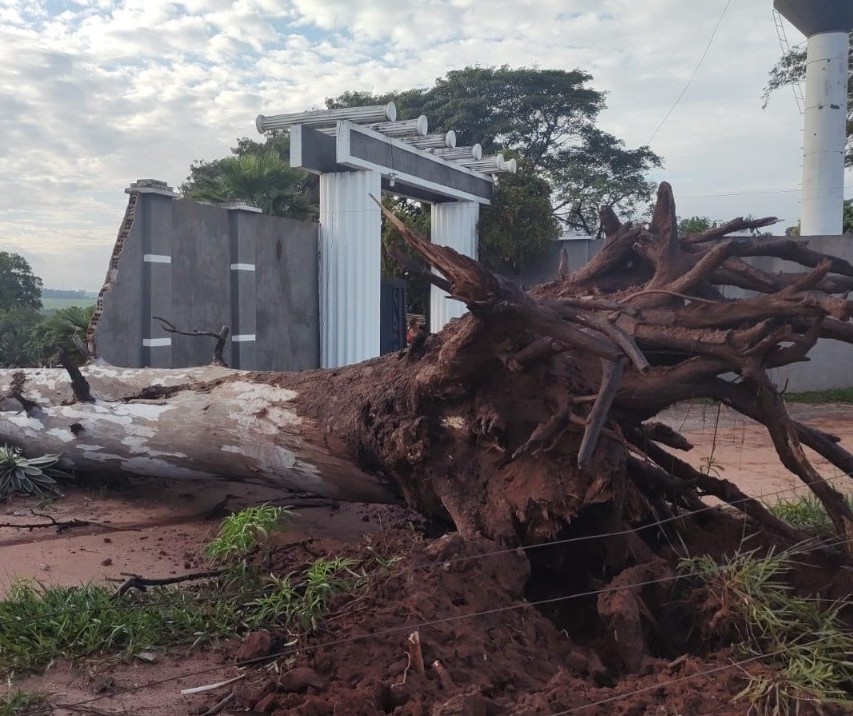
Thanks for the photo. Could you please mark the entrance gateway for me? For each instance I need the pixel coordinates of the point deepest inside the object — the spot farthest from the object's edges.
(359, 153)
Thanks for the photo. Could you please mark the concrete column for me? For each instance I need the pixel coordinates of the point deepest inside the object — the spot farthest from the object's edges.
(243, 294)
(350, 267)
(154, 212)
(825, 134)
(453, 224)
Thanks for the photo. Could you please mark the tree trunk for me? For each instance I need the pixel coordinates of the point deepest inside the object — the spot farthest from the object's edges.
(528, 412)
(193, 423)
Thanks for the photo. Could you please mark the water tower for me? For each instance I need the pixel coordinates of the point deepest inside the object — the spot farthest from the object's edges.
(826, 24)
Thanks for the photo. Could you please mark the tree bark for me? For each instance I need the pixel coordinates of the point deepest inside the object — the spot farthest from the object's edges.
(515, 419)
(193, 423)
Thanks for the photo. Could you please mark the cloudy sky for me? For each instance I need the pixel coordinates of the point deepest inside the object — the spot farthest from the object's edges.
(97, 93)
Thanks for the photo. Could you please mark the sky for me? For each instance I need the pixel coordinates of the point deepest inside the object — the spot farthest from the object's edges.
(95, 94)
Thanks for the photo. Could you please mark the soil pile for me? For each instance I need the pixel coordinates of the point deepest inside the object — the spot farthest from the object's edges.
(487, 650)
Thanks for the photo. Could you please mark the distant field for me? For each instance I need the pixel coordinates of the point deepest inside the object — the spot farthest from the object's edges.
(52, 304)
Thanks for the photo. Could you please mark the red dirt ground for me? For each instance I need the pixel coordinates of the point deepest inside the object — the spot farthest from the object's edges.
(511, 660)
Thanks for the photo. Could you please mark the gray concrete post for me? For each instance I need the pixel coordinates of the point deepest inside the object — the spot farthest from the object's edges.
(155, 217)
(243, 353)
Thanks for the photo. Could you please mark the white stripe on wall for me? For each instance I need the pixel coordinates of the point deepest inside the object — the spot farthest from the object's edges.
(242, 267)
(156, 259)
(246, 338)
(156, 342)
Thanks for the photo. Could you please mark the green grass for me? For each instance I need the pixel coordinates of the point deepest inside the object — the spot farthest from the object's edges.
(40, 624)
(805, 513)
(241, 532)
(837, 395)
(20, 702)
(54, 304)
(802, 639)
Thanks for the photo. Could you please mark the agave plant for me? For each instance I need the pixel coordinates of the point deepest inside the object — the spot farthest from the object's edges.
(31, 476)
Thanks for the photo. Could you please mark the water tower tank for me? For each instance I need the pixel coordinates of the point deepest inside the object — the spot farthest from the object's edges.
(812, 17)
(826, 24)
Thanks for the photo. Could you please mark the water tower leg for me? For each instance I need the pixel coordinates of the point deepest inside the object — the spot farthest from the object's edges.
(453, 224)
(825, 132)
(350, 267)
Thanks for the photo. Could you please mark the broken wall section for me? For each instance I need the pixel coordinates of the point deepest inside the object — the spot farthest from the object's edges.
(200, 267)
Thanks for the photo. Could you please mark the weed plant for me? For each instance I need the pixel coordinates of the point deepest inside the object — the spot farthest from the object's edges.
(802, 639)
(243, 531)
(298, 606)
(835, 395)
(806, 513)
(30, 476)
(39, 624)
(20, 702)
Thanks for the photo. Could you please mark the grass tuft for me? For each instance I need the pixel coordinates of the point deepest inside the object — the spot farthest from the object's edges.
(40, 624)
(20, 702)
(241, 532)
(805, 513)
(801, 638)
(819, 397)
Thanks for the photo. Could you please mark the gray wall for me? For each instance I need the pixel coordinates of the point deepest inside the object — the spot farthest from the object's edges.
(202, 267)
(831, 362)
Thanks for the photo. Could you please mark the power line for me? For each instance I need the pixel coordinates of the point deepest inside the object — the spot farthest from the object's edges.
(429, 623)
(687, 677)
(695, 70)
(456, 560)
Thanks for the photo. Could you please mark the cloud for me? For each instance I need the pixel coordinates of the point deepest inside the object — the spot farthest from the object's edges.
(97, 93)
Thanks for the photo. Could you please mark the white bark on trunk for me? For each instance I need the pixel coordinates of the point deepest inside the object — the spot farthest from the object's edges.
(237, 429)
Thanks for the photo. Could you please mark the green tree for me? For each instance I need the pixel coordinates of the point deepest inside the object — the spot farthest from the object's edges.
(16, 325)
(18, 286)
(548, 118)
(696, 225)
(262, 178)
(791, 68)
(64, 329)
(600, 172)
(519, 223)
(848, 217)
(416, 216)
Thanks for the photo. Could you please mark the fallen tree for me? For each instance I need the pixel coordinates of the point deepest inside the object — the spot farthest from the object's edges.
(531, 411)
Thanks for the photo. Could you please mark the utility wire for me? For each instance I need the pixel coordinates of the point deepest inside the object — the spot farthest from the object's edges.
(686, 677)
(118, 606)
(695, 70)
(419, 625)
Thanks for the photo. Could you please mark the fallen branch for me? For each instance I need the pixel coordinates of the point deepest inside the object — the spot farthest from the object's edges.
(60, 525)
(221, 337)
(142, 583)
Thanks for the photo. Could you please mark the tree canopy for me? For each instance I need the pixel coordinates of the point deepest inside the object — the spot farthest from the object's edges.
(568, 167)
(259, 173)
(548, 118)
(791, 68)
(18, 286)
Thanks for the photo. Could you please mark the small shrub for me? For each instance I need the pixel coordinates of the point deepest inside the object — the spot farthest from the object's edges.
(31, 476)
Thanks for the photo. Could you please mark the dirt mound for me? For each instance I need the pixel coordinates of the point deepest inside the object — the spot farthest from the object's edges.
(486, 650)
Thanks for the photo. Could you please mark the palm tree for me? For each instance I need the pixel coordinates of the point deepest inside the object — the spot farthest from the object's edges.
(264, 179)
(64, 329)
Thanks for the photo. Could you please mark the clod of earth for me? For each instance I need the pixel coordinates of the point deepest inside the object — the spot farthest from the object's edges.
(532, 413)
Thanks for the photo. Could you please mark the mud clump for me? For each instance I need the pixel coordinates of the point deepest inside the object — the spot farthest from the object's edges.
(486, 650)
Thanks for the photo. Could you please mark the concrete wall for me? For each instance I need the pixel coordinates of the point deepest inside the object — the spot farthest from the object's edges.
(202, 267)
(831, 362)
